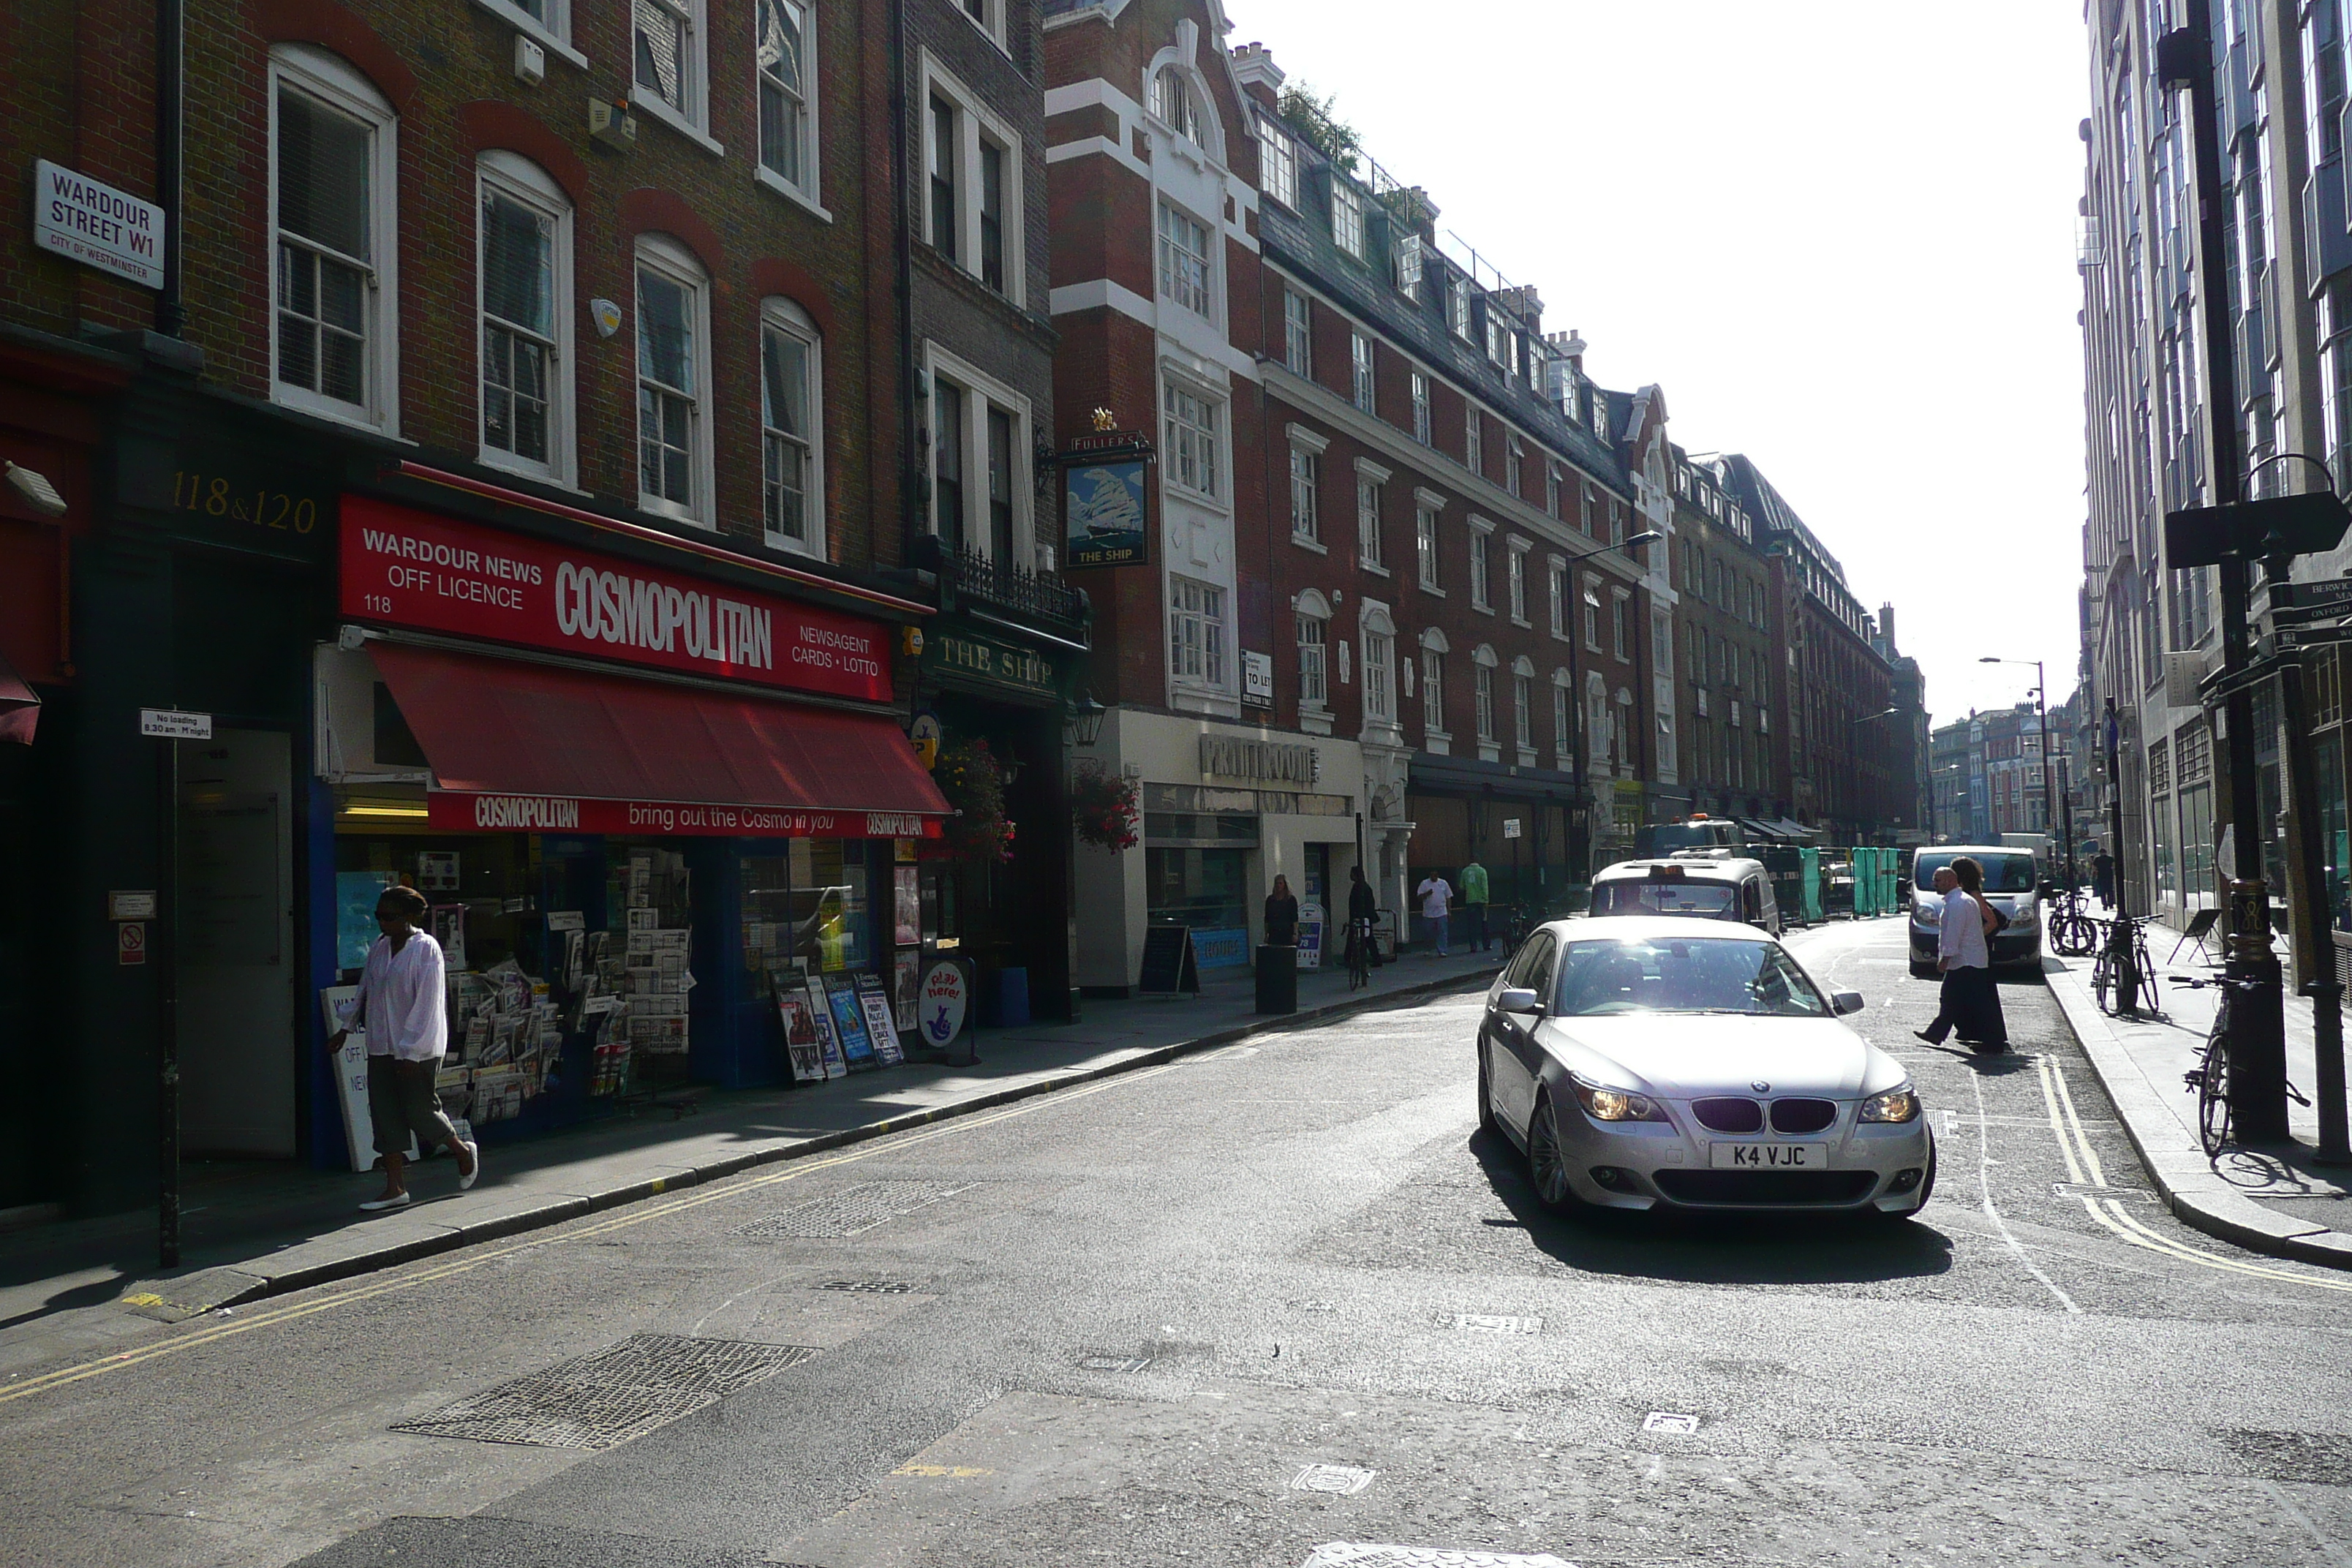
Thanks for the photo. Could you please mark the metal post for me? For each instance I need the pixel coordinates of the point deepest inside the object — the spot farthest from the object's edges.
(2118, 929)
(2257, 1017)
(2312, 938)
(167, 998)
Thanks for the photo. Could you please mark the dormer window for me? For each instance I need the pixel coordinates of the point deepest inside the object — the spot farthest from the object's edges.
(1172, 100)
(1346, 218)
(1459, 303)
(1277, 161)
(1408, 263)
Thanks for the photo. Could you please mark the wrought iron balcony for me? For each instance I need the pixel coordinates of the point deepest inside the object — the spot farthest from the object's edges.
(1036, 596)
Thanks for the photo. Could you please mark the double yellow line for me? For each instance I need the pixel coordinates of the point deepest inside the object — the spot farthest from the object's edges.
(2083, 1166)
(634, 1214)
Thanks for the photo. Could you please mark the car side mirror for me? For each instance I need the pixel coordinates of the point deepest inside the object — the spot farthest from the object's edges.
(1518, 999)
(1847, 1001)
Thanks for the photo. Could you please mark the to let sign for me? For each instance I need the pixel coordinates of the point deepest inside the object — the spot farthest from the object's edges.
(414, 569)
(97, 225)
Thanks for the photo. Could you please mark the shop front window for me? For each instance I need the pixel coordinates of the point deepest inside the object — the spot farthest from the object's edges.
(2197, 886)
(1206, 890)
(2335, 831)
(805, 912)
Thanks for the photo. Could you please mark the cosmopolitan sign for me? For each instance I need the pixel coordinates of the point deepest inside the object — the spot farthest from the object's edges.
(411, 568)
(569, 814)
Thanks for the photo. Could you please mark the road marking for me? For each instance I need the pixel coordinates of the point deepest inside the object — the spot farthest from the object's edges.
(1669, 1421)
(2110, 1212)
(1984, 1180)
(956, 1472)
(633, 1214)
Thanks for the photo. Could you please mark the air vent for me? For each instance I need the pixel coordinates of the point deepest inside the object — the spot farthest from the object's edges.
(1728, 1115)
(1802, 1115)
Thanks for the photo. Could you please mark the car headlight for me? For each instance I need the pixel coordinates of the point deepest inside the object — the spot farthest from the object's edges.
(1894, 1105)
(2024, 915)
(1615, 1104)
(1930, 914)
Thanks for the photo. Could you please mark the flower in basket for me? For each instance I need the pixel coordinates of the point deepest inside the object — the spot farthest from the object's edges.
(1103, 809)
(969, 774)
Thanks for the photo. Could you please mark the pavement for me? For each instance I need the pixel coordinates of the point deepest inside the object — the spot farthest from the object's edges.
(2273, 1199)
(1272, 1305)
(257, 1229)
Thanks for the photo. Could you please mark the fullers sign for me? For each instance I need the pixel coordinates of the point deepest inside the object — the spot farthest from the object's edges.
(411, 568)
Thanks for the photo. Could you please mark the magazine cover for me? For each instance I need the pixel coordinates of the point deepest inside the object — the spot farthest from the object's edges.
(849, 1022)
(804, 1049)
(875, 1003)
(821, 1012)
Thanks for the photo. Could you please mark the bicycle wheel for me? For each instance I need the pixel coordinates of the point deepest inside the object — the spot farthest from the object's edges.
(2103, 975)
(2073, 936)
(2213, 1090)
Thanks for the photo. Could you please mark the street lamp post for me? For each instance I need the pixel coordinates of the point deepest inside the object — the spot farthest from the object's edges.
(2041, 719)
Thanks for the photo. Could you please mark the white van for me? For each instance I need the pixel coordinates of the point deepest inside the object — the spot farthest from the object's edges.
(1706, 885)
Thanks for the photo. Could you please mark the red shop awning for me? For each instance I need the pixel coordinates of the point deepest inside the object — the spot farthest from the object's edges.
(520, 745)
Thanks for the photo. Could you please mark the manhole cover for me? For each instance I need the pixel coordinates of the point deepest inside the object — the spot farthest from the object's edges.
(600, 1400)
(1339, 1478)
(853, 1211)
(1669, 1421)
(1482, 1323)
(2322, 1459)
(1349, 1554)
(871, 1287)
(1115, 1363)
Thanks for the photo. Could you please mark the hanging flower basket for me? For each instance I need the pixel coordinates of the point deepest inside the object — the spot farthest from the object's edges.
(970, 776)
(1103, 809)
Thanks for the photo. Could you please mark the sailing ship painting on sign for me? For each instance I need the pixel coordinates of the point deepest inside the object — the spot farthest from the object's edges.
(1104, 503)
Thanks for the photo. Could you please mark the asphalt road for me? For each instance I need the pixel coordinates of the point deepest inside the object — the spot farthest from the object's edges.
(1119, 1324)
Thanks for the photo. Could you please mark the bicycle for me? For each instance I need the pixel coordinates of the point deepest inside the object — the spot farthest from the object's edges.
(2073, 933)
(2121, 936)
(2209, 1080)
(1359, 954)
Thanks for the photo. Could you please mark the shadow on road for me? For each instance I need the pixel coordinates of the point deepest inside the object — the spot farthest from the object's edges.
(1730, 1249)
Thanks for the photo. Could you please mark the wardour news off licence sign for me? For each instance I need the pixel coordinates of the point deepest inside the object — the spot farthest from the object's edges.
(411, 568)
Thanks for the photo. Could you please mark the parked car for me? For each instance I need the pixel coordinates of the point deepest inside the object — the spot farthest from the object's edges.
(1657, 1064)
(2012, 886)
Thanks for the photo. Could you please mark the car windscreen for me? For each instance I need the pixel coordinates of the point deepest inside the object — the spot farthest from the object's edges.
(2002, 873)
(1667, 897)
(1668, 836)
(1673, 974)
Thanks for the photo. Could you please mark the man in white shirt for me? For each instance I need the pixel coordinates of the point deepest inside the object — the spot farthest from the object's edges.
(403, 1008)
(1437, 896)
(1960, 949)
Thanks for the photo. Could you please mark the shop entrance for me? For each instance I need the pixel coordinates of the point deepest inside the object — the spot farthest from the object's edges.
(236, 949)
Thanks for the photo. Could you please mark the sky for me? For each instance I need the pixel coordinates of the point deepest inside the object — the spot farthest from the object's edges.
(1838, 234)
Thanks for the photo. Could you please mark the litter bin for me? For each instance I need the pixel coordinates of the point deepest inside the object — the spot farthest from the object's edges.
(1277, 979)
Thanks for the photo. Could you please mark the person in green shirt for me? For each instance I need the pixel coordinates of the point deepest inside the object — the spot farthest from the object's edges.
(1473, 905)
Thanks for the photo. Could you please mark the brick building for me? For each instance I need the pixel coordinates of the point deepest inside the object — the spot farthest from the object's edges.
(1724, 625)
(531, 454)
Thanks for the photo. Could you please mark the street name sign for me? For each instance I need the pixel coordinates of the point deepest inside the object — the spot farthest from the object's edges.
(82, 220)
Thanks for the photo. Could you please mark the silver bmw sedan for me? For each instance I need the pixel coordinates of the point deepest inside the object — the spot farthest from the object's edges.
(1662, 1064)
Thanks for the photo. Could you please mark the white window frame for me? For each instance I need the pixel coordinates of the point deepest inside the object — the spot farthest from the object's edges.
(1480, 540)
(1363, 390)
(334, 84)
(1482, 695)
(1458, 308)
(1433, 688)
(1380, 675)
(1278, 163)
(1523, 706)
(1408, 265)
(554, 32)
(1299, 334)
(1309, 610)
(1347, 216)
(1621, 624)
(1556, 588)
(1371, 481)
(990, 21)
(1474, 439)
(808, 189)
(1420, 430)
(1516, 582)
(976, 122)
(1551, 488)
(1185, 124)
(690, 117)
(1591, 614)
(1182, 441)
(1562, 735)
(660, 254)
(524, 183)
(1514, 458)
(1171, 228)
(1428, 518)
(778, 314)
(983, 392)
(1307, 448)
(1206, 669)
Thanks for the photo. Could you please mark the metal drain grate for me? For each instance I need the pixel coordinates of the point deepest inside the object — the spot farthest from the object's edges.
(1351, 1555)
(853, 1211)
(871, 1287)
(600, 1400)
(2321, 1458)
(1340, 1479)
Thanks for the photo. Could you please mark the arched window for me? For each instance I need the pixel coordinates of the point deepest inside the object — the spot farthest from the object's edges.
(334, 262)
(523, 282)
(673, 376)
(1173, 101)
(1312, 616)
(792, 428)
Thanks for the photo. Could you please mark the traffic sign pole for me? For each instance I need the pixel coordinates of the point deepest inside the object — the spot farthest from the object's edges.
(169, 726)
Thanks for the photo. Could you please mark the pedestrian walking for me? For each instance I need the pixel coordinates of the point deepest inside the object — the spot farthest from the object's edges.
(1473, 906)
(403, 1006)
(2102, 878)
(1970, 1003)
(1437, 895)
(1363, 910)
(1281, 915)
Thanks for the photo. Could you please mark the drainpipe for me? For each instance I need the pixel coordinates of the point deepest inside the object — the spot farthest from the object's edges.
(169, 17)
(910, 467)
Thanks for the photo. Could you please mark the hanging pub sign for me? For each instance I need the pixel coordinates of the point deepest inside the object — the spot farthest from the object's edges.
(410, 568)
(1103, 499)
